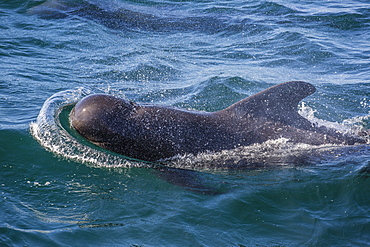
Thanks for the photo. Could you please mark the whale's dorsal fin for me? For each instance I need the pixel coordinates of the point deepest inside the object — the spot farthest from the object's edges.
(278, 103)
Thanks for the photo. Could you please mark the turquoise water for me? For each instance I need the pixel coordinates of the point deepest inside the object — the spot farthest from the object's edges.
(57, 190)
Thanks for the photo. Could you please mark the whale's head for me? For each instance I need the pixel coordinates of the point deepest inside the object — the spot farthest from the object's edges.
(99, 117)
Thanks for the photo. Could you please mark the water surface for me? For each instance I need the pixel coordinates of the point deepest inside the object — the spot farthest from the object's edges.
(202, 55)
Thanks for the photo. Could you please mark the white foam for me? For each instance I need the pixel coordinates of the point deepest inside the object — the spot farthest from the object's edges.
(279, 152)
(351, 126)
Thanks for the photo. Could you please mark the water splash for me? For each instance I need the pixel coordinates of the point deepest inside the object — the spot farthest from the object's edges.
(352, 126)
(50, 133)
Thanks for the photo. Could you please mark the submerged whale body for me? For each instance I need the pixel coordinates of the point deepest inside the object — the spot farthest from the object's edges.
(120, 16)
(153, 132)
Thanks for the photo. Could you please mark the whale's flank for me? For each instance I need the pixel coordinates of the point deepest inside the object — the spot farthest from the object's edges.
(153, 132)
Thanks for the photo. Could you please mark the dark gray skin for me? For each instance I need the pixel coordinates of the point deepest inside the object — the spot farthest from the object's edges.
(153, 132)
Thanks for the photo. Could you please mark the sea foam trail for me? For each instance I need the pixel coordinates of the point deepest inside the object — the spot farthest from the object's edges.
(49, 131)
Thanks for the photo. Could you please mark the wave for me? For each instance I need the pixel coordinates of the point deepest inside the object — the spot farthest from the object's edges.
(52, 130)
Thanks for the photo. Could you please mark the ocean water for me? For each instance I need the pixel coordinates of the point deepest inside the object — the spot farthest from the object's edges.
(58, 190)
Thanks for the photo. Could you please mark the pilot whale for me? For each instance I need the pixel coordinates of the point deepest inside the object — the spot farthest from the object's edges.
(151, 132)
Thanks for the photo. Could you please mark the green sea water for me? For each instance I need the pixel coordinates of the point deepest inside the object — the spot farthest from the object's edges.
(58, 190)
